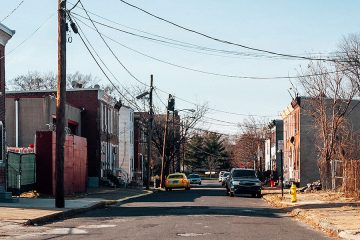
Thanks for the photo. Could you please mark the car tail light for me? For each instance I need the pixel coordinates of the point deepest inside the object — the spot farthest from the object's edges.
(183, 181)
(167, 181)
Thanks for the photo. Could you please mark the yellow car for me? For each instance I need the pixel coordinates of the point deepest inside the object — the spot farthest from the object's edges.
(177, 180)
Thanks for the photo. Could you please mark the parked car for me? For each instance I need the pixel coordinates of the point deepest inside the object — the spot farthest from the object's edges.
(221, 173)
(177, 180)
(224, 177)
(194, 179)
(242, 180)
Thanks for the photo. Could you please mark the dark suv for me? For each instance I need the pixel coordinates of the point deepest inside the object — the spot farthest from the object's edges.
(243, 180)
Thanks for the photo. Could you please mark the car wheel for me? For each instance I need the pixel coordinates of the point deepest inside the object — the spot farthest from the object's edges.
(227, 192)
(200, 183)
(258, 195)
(232, 194)
(166, 189)
(187, 188)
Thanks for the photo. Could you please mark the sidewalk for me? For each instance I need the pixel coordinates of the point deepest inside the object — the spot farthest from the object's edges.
(40, 210)
(328, 211)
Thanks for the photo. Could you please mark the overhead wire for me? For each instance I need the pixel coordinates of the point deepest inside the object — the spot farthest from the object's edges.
(16, 8)
(198, 70)
(182, 99)
(98, 64)
(128, 92)
(30, 36)
(181, 44)
(226, 41)
(112, 52)
(165, 91)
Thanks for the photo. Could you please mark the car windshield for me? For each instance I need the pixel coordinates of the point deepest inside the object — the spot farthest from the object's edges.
(176, 176)
(226, 174)
(194, 176)
(244, 173)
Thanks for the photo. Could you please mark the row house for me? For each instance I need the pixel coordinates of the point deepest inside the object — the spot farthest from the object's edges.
(126, 165)
(300, 153)
(90, 113)
(5, 36)
(140, 144)
(272, 155)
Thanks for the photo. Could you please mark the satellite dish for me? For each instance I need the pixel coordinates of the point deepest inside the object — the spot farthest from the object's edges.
(97, 86)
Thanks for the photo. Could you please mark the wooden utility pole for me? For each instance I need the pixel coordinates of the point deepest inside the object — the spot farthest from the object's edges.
(150, 128)
(163, 159)
(60, 106)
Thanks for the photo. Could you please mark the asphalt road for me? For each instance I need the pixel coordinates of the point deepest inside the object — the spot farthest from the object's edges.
(204, 212)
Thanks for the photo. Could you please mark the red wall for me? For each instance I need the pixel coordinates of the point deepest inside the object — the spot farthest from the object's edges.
(75, 163)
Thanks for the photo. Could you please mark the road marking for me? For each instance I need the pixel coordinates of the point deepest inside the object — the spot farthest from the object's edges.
(192, 234)
(65, 231)
(97, 226)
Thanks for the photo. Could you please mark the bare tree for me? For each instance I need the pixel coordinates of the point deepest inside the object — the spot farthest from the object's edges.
(182, 127)
(331, 93)
(248, 143)
(47, 81)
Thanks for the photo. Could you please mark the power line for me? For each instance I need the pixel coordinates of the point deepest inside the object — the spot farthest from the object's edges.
(109, 69)
(202, 71)
(30, 36)
(112, 52)
(225, 41)
(97, 63)
(181, 99)
(180, 44)
(12, 11)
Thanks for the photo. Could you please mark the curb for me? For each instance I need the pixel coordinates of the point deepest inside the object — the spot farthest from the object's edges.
(329, 228)
(71, 212)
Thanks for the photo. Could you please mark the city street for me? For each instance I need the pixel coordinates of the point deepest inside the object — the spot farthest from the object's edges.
(204, 212)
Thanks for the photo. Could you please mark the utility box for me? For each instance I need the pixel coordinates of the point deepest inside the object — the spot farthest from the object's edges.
(75, 163)
(21, 172)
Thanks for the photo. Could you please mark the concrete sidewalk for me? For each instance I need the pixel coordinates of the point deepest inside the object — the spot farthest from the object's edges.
(330, 212)
(37, 211)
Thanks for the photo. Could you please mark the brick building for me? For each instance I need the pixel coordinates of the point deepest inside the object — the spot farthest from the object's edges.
(5, 35)
(300, 146)
(99, 114)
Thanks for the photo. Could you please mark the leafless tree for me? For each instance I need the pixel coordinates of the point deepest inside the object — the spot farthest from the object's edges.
(182, 127)
(331, 93)
(248, 143)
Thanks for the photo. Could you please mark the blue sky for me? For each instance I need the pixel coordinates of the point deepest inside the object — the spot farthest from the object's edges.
(295, 27)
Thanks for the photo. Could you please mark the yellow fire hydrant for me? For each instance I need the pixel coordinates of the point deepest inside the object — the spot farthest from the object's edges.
(293, 192)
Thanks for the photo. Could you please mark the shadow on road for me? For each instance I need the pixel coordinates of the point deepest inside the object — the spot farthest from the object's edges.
(182, 211)
(182, 202)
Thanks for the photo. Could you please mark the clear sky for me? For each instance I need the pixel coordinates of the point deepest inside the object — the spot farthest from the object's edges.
(293, 27)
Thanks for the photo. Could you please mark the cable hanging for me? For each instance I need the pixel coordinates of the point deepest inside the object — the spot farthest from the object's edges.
(229, 42)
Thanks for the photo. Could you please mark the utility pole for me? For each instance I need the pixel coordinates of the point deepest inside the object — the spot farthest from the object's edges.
(163, 159)
(173, 143)
(60, 106)
(282, 173)
(150, 127)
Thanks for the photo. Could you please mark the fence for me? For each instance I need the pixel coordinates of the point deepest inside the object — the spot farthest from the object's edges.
(21, 172)
(351, 183)
(337, 173)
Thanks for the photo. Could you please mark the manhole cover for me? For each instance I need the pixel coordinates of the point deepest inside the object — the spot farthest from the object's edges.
(192, 234)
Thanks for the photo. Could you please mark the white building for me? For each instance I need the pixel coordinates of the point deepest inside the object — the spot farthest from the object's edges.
(126, 143)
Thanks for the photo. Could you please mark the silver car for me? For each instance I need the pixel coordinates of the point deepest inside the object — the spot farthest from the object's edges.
(194, 179)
